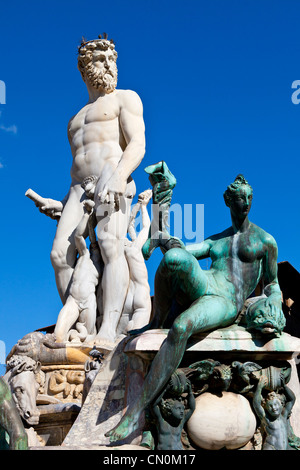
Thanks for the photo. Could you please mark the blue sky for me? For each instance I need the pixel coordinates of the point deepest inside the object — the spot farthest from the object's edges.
(215, 78)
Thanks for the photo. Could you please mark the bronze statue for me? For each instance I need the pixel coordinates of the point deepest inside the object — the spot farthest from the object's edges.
(172, 411)
(274, 411)
(241, 255)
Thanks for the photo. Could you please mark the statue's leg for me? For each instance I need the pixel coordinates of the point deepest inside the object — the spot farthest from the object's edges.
(142, 304)
(88, 316)
(66, 319)
(141, 307)
(115, 279)
(179, 276)
(63, 254)
(205, 314)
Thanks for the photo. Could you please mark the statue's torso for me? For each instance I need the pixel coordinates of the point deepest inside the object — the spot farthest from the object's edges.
(85, 278)
(169, 437)
(96, 138)
(136, 263)
(276, 434)
(237, 263)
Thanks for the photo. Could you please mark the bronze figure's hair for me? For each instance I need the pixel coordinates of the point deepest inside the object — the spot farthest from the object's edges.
(234, 187)
(272, 396)
(166, 406)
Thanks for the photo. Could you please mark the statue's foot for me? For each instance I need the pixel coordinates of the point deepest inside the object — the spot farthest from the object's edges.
(127, 425)
(104, 342)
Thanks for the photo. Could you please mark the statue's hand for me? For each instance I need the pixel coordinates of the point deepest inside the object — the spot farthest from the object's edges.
(173, 242)
(113, 189)
(263, 381)
(51, 208)
(145, 197)
(88, 206)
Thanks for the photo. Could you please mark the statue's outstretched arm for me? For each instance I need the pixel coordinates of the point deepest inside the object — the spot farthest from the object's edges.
(143, 235)
(50, 207)
(290, 399)
(258, 398)
(190, 401)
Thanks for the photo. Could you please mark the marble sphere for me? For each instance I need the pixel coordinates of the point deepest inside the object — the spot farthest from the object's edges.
(221, 421)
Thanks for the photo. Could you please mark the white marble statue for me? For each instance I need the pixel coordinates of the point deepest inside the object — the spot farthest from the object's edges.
(107, 139)
(138, 301)
(137, 307)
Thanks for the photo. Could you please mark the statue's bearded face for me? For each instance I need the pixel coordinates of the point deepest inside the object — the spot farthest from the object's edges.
(98, 67)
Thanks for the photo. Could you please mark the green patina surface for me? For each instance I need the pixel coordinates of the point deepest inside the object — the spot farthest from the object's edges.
(242, 256)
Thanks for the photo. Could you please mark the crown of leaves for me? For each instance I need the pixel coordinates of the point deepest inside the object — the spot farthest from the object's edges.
(101, 38)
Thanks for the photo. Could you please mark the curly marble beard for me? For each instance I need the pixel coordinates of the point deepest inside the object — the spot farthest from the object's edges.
(106, 79)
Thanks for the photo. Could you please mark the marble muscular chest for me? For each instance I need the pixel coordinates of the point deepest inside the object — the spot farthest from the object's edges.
(95, 137)
(95, 123)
